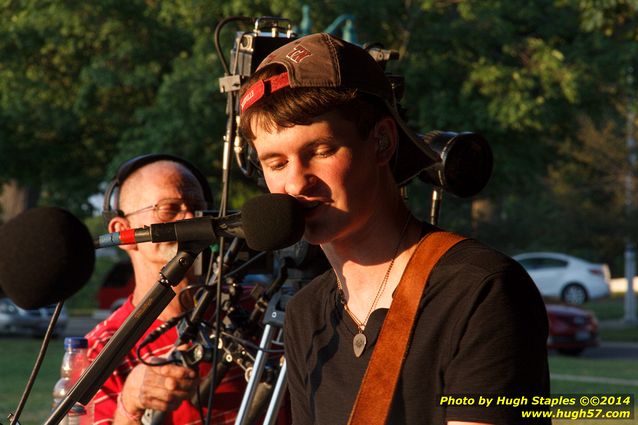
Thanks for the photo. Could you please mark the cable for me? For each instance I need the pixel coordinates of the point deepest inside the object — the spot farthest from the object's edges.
(218, 29)
(38, 362)
(156, 363)
(161, 329)
(246, 264)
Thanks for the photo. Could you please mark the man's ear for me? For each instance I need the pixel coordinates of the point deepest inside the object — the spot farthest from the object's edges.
(386, 137)
(119, 224)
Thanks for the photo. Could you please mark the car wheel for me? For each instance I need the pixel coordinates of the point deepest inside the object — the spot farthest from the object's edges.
(571, 351)
(575, 294)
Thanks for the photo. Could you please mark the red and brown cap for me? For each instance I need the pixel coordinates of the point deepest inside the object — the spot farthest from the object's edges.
(323, 60)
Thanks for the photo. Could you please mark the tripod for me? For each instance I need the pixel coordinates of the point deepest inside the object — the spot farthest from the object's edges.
(273, 332)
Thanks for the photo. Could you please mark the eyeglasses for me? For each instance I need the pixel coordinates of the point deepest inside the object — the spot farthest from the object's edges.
(171, 209)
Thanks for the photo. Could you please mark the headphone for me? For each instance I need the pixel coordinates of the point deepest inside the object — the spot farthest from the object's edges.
(110, 209)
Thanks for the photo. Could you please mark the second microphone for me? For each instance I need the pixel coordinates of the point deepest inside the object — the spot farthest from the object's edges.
(267, 222)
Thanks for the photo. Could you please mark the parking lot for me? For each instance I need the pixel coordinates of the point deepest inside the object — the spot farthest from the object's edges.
(80, 325)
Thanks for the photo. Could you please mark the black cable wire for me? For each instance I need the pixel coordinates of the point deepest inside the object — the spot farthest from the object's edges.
(38, 363)
(153, 364)
(184, 291)
(161, 329)
(209, 269)
(246, 264)
(217, 320)
(200, 408)
(151, 337)
(218, 29)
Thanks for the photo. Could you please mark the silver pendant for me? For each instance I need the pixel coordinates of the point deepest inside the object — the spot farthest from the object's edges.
(359, 343)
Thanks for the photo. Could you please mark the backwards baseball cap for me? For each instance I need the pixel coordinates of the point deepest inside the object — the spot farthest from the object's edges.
(323, 60)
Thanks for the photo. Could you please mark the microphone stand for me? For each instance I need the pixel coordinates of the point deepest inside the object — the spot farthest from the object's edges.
(435, 208)
(144, 314)
(190, 331)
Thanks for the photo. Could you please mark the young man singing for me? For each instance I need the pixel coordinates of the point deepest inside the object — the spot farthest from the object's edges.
(322, 117)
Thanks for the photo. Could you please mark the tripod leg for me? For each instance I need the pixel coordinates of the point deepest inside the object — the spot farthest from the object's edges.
(255, 376)
(277, 397)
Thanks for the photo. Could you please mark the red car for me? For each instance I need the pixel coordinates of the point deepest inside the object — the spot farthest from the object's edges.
(571, 329)
(118, 283)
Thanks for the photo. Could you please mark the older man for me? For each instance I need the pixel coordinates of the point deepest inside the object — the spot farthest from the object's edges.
(155, 189)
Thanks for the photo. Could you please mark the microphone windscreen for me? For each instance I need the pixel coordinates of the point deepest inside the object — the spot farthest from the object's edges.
(47, 256)
(272, 221)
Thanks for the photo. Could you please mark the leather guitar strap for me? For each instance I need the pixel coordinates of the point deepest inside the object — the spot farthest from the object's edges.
(376, 393)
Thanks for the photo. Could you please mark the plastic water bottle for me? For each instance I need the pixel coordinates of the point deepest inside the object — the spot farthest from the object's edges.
(73, 364)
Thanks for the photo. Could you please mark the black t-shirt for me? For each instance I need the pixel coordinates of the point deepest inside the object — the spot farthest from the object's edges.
(481, 330)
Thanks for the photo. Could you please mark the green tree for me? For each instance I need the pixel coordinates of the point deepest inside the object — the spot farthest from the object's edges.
(525, 74)
(71, 78)
(85, 86)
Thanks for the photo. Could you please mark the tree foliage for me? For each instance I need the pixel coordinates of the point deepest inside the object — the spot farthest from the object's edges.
(84, 86)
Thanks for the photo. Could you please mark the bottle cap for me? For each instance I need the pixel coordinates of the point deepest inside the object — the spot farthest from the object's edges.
(75, 342)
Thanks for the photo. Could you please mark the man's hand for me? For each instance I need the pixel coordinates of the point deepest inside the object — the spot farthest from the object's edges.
(160, 388)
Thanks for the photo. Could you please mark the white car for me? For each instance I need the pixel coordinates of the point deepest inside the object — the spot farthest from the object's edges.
(17, 321)
(571, 279)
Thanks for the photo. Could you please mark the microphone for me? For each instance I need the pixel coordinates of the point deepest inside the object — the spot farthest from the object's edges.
(267, 222)
(195, 229)
(47, 257)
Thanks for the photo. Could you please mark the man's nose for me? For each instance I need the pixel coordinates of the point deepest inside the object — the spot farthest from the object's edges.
(299, 180)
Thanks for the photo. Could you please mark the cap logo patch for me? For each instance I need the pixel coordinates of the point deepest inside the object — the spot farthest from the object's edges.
(298, 54)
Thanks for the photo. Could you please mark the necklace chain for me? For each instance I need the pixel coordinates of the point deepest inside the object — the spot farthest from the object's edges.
(362, 324)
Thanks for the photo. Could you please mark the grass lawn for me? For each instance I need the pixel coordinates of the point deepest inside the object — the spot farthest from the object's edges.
(617, 369)
(18, 354)
(611, 308)
(620, 334)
